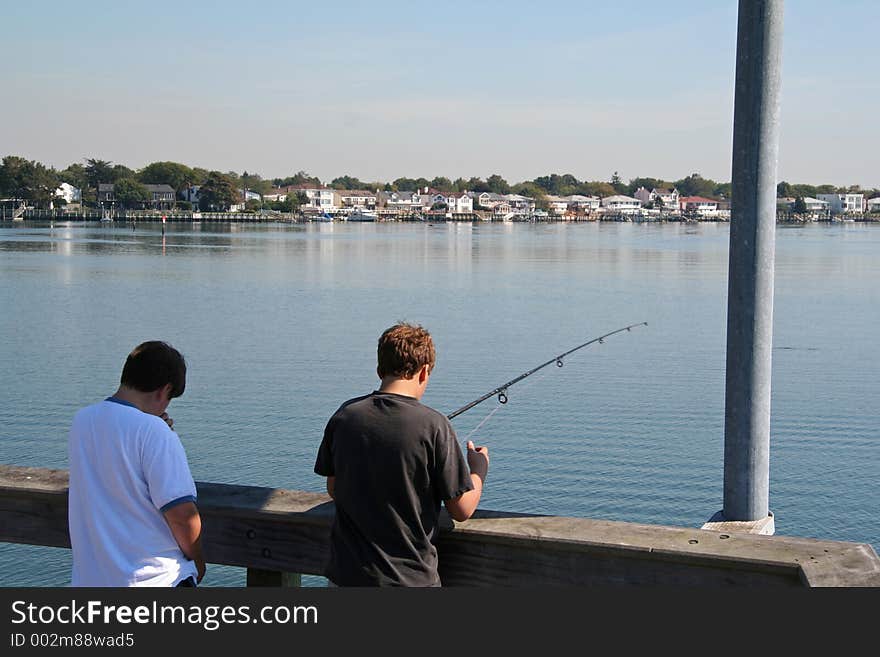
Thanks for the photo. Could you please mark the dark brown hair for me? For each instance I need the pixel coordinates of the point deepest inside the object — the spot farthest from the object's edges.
(152, 365)
(403, 349)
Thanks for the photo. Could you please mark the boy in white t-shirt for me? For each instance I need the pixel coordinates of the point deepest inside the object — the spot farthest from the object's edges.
(132, 511)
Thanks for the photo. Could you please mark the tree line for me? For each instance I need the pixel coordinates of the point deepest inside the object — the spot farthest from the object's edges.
(36, 183)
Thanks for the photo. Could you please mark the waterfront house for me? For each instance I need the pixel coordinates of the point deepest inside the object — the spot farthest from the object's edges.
(69, 193)
(583, 204)
(660, 199)
(491, 201)
(812, 207)
(816, 205)
(699, 205)
(844, 203)
(320, 198)
(161, 197)
(105, 194)
(811, 204)
(455, 203)
(572, 206)
(497, 203)
(355, 198)
(621, 204)
(405, 202)
(502, 204)
(281, 193)
(244, 196)
(190, 193)
(873, 204)
(520, 204)
(558, 205)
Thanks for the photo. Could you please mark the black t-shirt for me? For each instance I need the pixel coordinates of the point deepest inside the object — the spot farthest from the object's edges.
(395, 461)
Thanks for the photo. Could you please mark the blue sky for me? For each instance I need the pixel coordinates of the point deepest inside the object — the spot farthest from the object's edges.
(388, 89)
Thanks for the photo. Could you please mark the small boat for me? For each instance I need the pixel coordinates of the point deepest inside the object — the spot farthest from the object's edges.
(361, 214)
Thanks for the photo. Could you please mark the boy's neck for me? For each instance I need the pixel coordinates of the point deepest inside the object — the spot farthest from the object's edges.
(406, 387)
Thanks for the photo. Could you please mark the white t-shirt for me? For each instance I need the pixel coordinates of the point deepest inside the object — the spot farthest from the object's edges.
(126, 468)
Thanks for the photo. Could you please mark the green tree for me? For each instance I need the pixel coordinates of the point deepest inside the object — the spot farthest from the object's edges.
(200, 175)
(300, 178)
(179, 176)
(28, 180)
(217, 193)
(647, 183)
(410, 184)
(348, 182)
(98, 171)
(130, 193)
(292, 203)
(563, 185)
(597, 188)
(121, 171)
(803, 190)
(497, 185)
(75, 175)
(479, 185)
(784, 190)
(800, 206)
(723, 189)
(443, 184)
(696, 185)
(617, 183)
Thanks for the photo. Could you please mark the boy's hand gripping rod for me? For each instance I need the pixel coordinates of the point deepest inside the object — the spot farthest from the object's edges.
(501, 390)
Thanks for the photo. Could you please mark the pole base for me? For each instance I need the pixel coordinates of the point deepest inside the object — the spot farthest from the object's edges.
(765, 526)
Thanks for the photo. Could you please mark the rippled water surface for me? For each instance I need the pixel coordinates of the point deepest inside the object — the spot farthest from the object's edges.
(279, 323)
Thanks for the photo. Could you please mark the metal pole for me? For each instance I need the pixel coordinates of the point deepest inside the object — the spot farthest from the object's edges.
(752, 254)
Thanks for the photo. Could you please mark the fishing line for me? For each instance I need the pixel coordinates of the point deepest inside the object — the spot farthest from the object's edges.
(498, 408)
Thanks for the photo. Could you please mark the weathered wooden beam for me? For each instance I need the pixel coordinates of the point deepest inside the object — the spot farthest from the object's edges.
(272, 532)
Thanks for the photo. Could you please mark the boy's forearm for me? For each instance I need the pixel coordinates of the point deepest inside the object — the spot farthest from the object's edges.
(463, 507)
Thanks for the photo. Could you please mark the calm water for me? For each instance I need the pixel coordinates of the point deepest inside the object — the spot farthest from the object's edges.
(279, 325)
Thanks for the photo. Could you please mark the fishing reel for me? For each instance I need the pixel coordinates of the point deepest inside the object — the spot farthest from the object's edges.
(502, 397)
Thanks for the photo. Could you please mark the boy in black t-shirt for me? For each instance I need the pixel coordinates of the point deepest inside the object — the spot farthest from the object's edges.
(390, 462)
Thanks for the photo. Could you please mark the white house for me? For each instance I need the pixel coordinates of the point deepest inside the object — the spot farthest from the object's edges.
(558, 204)
(520, 204)
(621, 204)
(704, 207)
(666, 199)
(815, 205)
(459, 203)
(583, 204)
(319, 197)
(873, 204)
(573, 204)
(69, 193)
(844, 203)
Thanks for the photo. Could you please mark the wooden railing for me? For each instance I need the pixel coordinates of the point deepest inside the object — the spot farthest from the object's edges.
(274, 532)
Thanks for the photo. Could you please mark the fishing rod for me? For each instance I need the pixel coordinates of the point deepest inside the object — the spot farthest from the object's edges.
(501, 390)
